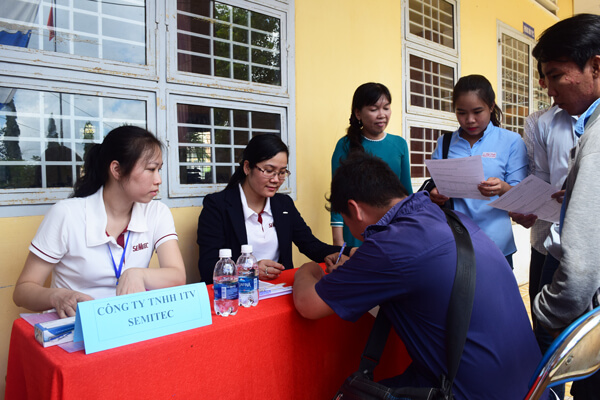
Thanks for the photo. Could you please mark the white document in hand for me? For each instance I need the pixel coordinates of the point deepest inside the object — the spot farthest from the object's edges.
(457, 177)
(531, 196)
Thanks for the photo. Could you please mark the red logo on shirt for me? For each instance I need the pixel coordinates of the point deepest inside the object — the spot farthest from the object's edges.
(488, 154)
(140, 246)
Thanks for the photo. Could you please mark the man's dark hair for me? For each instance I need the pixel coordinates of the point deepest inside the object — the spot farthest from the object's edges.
(574, 39)
(364, 178)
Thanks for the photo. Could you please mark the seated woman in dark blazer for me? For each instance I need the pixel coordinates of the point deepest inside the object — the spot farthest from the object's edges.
(250, 211)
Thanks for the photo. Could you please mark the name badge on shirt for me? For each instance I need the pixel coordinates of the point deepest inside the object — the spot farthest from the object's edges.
(488, 154)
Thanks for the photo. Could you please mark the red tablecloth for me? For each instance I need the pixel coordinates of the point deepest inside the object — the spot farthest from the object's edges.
(269, 351)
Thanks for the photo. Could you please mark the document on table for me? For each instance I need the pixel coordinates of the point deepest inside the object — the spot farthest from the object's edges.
(267, 290)
(531, 196)
(458, 177)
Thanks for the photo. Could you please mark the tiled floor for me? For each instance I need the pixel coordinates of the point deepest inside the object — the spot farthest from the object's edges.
(525, 295)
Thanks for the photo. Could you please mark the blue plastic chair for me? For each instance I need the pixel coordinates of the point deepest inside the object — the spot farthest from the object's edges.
(574, 355)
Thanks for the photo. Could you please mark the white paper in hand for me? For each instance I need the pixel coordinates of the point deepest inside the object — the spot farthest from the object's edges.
(457, 177)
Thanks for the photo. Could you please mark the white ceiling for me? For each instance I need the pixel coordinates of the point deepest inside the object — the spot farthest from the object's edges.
(586, 6)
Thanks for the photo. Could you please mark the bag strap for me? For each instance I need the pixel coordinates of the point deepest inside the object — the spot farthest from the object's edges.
(375, 345)
(446, 144)
(463, 293)
(459, 309)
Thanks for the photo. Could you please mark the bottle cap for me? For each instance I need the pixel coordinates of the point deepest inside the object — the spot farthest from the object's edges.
(246, 248)
(225, 253)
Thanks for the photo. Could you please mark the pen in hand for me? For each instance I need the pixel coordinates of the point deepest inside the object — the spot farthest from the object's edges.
(341, 251)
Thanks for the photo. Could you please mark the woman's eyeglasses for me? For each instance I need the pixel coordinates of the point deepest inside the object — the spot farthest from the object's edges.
(273, 173)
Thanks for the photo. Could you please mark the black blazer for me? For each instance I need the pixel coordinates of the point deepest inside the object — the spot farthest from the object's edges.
(221, 225)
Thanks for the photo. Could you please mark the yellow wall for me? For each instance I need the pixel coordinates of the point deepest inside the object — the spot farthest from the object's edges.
(339, 45)
(478, 27)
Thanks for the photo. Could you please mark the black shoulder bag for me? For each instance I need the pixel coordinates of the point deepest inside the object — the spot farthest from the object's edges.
(429, 183)
(360, 385)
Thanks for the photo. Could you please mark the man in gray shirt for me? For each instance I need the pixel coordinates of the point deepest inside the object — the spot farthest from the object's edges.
(569, 53)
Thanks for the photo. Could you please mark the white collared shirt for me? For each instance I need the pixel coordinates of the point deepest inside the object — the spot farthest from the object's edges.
(262, 237)
(552, 142)
(73, 236)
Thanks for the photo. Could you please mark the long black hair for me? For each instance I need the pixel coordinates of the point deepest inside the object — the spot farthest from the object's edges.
(480, 85)
(365, 95)
(125, 144)
(259, 148)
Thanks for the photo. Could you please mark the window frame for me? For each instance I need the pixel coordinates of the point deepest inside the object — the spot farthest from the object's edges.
(427, 123)
(410, 109)
(13, 54)
(427, 44)
(177, 189)
(58, 72)
(415, 45)
(275, 9)
(503, 28)
(25, 196)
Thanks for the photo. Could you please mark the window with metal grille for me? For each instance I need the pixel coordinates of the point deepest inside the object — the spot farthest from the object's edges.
(515, 82)
(114, 30)
(205, 76)
(233, 48)
(431, 84)
(212, 139)
(541, 100)
(422, 144)
(45, 135)
(433, 20)
(237, 42)
(431, 57)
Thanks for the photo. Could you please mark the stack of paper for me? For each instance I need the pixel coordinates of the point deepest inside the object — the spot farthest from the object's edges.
(267, 290)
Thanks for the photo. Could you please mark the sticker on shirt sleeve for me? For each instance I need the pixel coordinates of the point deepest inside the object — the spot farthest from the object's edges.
(488, 154)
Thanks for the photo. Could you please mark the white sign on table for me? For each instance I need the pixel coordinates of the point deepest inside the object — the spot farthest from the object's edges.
(116, 321)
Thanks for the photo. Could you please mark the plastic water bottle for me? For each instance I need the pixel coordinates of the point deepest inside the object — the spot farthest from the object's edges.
(225, 285)
(247, 268)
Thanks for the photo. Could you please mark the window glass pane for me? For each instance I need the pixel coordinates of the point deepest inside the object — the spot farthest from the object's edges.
(422, 143)
(541, 100)
(44, 135)
(432, 20)
(210, 147)
(515, 83)
(248, 37)
(111, 30)
(431, 84)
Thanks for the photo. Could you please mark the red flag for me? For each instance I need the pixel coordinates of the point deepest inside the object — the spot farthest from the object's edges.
(51, 33)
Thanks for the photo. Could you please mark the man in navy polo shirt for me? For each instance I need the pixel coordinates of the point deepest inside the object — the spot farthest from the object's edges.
(407, 265)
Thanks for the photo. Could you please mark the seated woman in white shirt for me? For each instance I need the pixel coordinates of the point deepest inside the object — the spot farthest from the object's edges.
(99, 243)
(250, 211)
